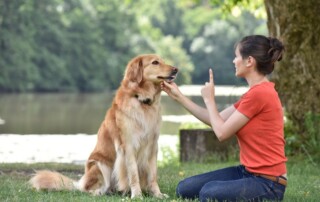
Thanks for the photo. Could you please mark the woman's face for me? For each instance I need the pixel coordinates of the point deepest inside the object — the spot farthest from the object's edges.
(240, 64)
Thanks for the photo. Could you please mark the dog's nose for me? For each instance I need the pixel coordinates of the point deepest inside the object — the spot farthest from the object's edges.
(175, 70)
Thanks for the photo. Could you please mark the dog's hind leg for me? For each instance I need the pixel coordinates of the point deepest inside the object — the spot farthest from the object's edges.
(106, 172)
(96, 179)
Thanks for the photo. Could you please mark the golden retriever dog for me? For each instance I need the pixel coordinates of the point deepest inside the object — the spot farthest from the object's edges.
(125, 156)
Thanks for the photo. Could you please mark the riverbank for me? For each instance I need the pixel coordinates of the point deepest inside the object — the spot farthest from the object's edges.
(73, 148)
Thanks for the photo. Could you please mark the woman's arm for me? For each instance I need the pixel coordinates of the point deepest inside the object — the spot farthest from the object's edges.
(199, 112)
(227, 112)
(223, 128)
(173, 91)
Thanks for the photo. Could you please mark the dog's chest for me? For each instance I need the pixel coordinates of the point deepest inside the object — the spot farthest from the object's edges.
(147, 118)
(140, 118)
(142, 127)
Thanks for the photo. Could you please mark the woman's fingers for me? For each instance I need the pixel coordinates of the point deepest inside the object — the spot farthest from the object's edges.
(165, 86)
(211, 76)
(168, 87)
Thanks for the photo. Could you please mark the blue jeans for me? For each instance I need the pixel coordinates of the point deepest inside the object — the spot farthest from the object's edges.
(230, 184)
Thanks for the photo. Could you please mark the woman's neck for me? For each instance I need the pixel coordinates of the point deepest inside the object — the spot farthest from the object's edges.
(256, 79)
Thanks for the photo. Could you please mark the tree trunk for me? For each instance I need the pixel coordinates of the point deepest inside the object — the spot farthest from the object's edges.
(297, 24)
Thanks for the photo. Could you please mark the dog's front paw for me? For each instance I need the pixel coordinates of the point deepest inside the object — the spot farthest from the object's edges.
(136, 192)
(136, 195)
(161, 196)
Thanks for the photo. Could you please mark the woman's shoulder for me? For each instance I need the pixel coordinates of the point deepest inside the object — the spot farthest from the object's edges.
(261, 92)
(262, 88)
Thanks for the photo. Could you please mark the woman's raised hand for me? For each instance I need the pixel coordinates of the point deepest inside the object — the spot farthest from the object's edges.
(207, 90)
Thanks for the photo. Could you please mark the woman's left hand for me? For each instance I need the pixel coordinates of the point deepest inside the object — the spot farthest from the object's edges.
(207, 91)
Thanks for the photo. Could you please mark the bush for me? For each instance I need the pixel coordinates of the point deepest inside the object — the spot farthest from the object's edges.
(307, 142)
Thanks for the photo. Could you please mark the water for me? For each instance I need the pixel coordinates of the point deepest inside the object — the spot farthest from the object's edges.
(72, 113)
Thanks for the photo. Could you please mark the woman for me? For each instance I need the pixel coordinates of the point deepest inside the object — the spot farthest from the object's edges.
(257, 121)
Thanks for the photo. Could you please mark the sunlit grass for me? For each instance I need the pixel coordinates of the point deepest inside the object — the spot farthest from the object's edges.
(304, 181)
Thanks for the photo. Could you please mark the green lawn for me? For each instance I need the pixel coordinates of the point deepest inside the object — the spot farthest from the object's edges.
(304, 182)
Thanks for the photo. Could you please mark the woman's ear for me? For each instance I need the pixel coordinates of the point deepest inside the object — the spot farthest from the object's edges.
(250, 61)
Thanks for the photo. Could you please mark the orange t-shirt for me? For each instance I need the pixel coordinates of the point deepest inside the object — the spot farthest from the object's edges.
(261, 140)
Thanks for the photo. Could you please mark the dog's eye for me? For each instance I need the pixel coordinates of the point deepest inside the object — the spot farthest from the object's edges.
(155, 62)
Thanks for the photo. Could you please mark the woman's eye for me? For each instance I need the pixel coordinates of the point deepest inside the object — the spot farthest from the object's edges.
(155, 62)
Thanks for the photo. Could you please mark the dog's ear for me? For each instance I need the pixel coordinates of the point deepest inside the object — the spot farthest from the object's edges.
(134, 70)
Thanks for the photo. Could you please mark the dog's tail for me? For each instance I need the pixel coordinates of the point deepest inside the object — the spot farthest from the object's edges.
(50, 180)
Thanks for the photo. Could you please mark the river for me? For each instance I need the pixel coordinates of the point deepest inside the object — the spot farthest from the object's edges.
(50, 127)
(73, 113)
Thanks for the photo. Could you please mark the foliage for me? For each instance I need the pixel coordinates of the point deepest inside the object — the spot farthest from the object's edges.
(203, 31)
(170, 157)
(163, 34)
(298, 144)
(237, 6)
(57, 45)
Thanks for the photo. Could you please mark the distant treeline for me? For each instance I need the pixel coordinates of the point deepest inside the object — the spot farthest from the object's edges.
(58, 45)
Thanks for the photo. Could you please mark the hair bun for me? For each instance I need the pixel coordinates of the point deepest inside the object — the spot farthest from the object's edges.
(276, 49)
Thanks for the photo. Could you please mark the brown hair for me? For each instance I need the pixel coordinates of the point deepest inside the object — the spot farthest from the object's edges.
(265, 50)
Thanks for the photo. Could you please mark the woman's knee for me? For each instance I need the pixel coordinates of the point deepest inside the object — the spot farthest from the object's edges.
(210, 191)
(181, 189)
(185, 189)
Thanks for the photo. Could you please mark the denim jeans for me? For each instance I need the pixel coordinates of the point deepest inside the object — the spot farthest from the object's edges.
(230, 184)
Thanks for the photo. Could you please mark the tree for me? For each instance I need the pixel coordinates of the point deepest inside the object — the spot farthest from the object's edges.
(297, 24)
(56, 45)
(162, 33)
(17, 72)
(214, 47)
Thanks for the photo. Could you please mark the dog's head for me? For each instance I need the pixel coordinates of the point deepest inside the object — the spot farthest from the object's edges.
(149, 68)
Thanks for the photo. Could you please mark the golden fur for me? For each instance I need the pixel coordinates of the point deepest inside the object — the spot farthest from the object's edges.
(125, 156)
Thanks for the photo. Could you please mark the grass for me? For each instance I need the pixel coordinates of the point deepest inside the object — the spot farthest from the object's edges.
(304, 181)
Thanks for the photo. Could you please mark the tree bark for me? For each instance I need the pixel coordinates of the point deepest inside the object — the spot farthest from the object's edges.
(297, 24)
